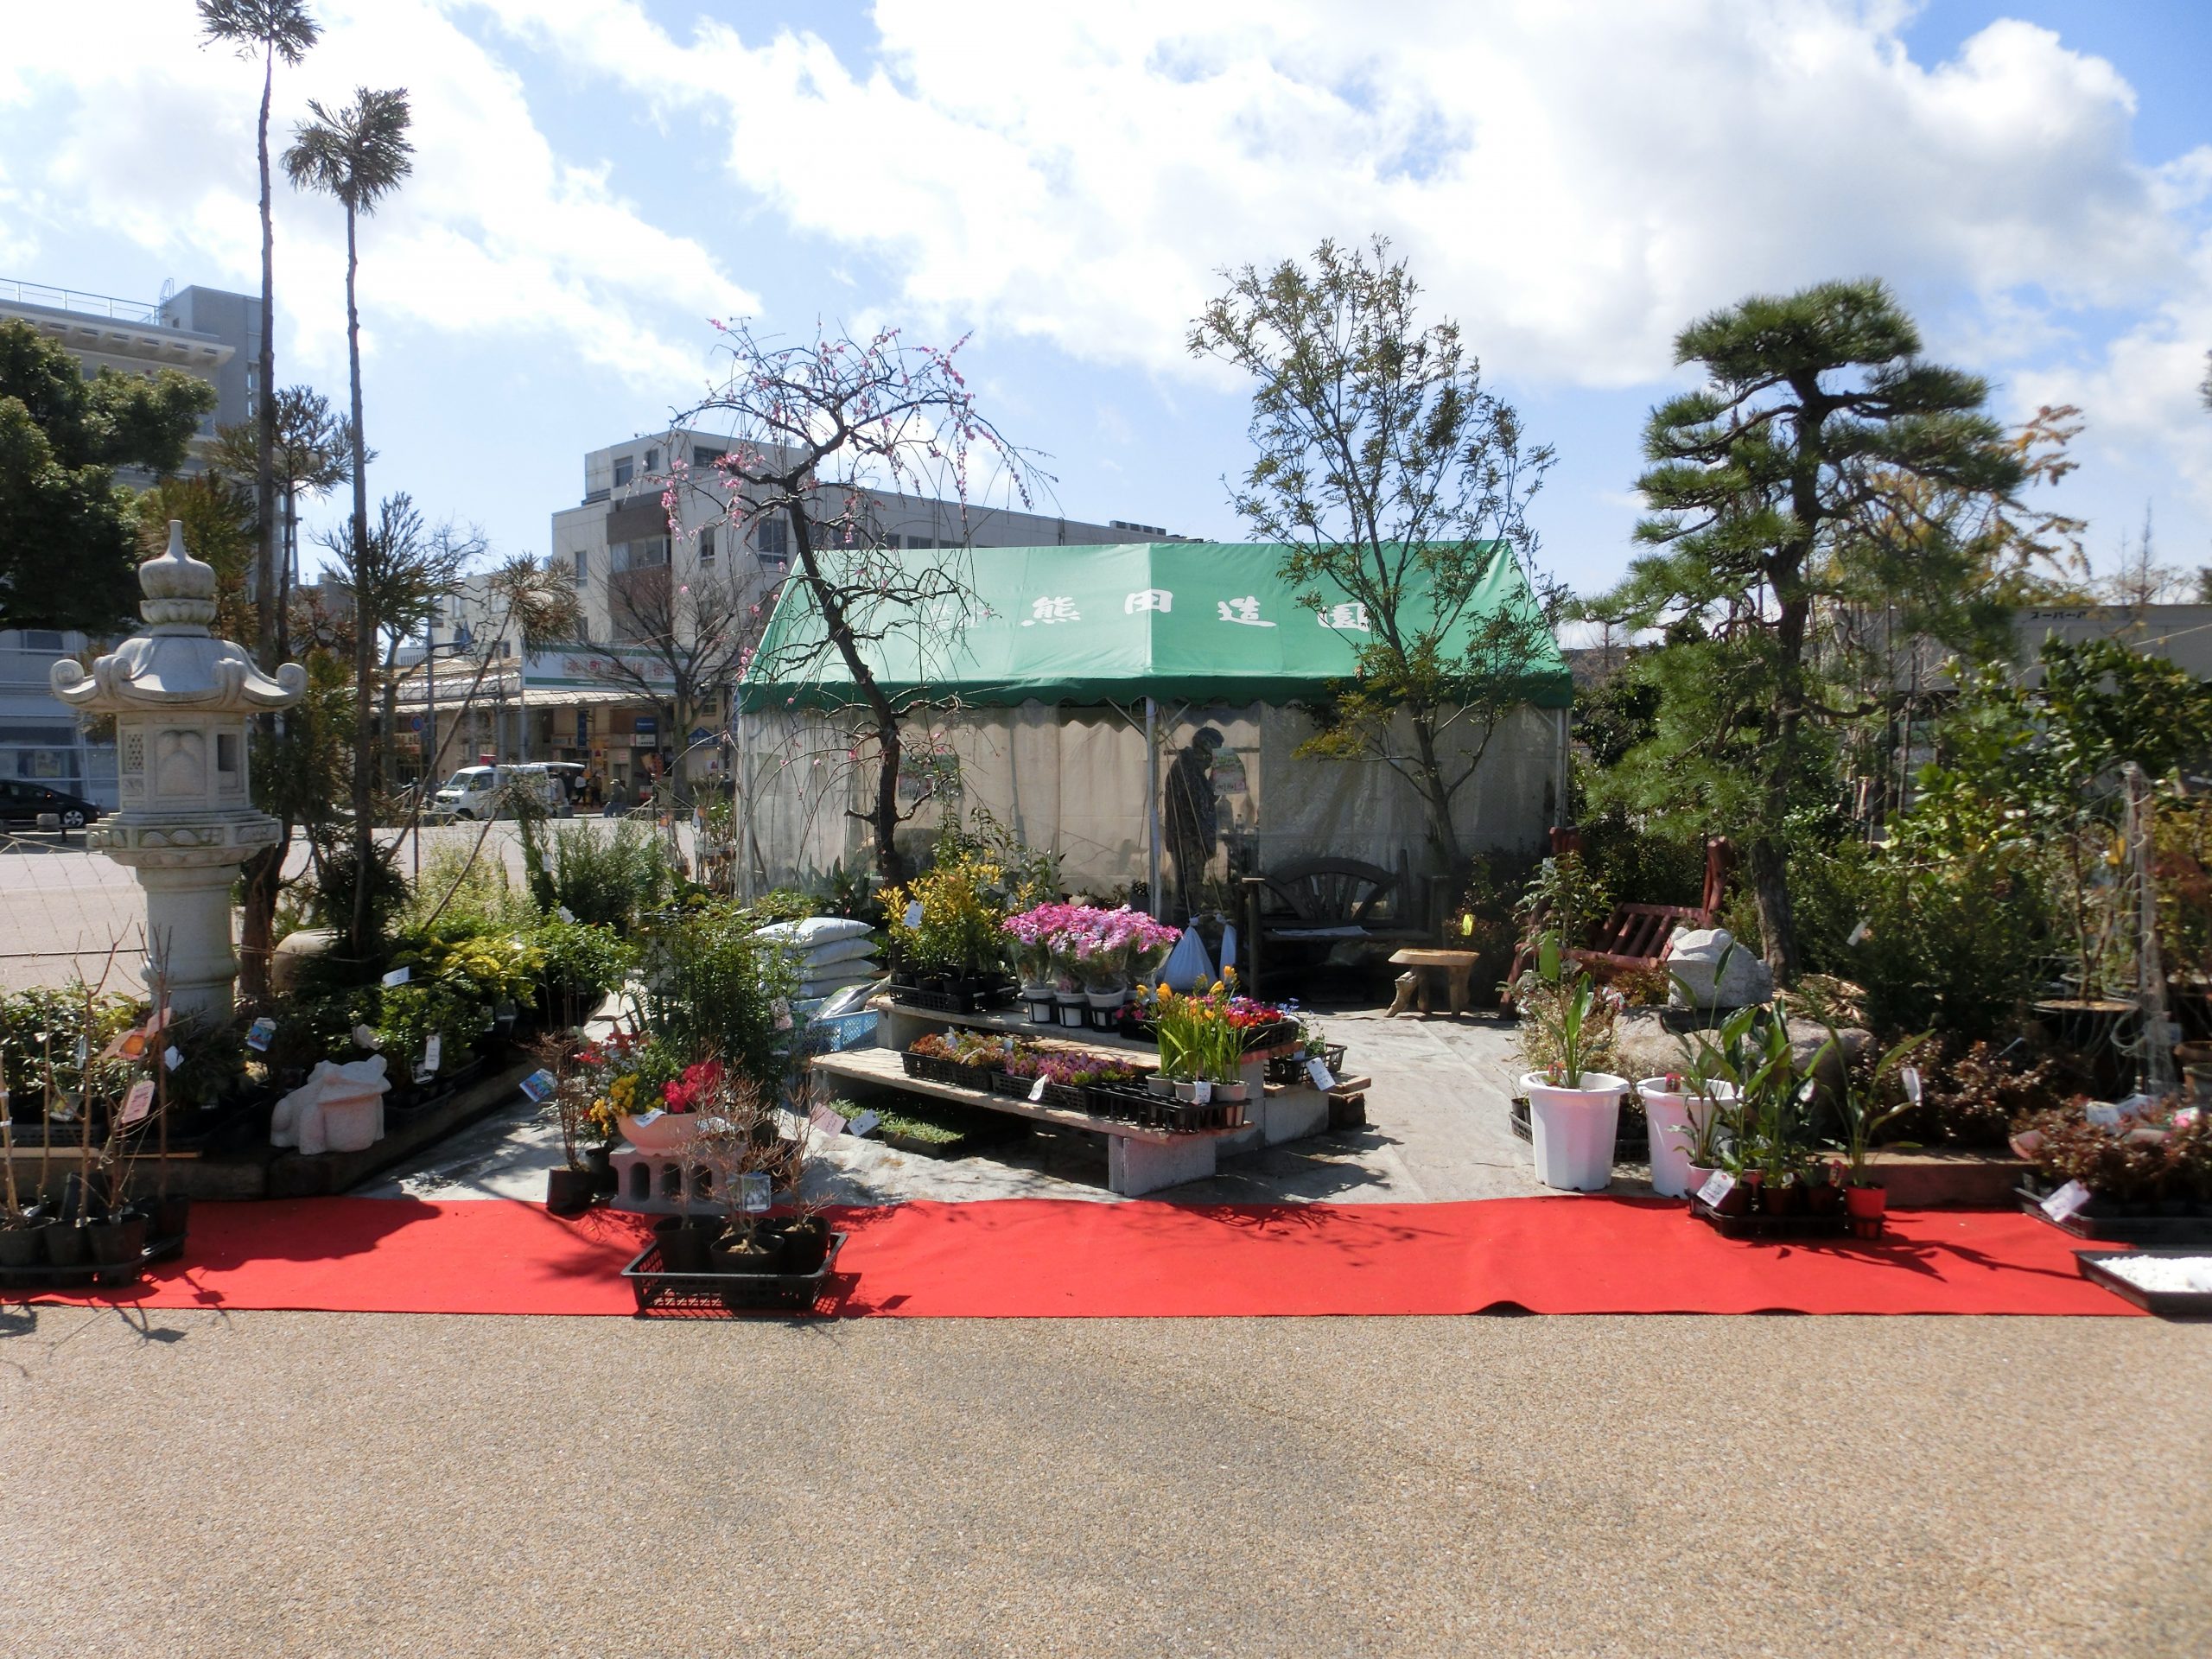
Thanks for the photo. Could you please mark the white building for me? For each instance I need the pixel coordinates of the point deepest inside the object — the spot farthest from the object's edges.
(616, 546)
(202, 331)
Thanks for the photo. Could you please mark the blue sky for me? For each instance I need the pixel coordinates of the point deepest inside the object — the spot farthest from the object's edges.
(597, 177)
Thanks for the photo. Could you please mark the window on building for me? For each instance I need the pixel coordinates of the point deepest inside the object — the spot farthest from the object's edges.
(583, 567)
(702, 456)
(771, 537)
(707, 545)
(641, 555)
(625, 469)
(41, 639)
(652, 460)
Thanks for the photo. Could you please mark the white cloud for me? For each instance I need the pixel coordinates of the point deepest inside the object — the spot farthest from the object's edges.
(1079, 173)
(493, 234)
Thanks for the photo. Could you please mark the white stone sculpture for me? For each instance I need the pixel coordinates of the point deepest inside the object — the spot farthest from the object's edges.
(1696, 962)
(338, 1109)
(182, 699)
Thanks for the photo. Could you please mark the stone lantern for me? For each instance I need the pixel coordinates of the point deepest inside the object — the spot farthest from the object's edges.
(182, 699)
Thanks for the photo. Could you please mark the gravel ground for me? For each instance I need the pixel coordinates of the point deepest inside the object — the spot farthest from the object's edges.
(273, 1484)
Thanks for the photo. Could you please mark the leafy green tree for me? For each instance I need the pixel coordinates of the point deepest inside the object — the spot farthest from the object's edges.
(357, 156)
(1399, 485)
(1769, 486)
(219, 527)
(269, 29)
(68, 531)
(314, 455)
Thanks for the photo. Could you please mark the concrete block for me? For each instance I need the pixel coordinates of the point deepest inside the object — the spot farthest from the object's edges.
(1292, 1114)
(1134, 1167)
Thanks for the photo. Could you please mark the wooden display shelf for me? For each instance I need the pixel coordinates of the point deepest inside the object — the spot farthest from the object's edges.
(883, 1067)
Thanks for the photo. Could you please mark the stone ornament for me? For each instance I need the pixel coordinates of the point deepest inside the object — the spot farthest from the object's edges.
(182, 700)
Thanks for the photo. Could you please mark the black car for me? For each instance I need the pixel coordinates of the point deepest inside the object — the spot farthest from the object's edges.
(22, 802)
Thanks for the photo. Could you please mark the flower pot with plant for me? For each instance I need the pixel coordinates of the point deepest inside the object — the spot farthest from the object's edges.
(1683, 1112)
(1861, 1113)
(1574, 1105)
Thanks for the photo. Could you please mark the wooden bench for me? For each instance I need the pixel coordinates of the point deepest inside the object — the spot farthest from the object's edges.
(1305, 911)
(1457, 967)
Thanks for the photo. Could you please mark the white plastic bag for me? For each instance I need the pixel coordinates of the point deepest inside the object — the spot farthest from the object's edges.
(1187, 966)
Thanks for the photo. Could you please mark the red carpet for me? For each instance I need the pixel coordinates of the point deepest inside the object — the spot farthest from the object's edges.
(1049, 1258)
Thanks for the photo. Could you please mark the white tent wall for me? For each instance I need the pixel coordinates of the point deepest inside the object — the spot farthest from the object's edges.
(1075, 780)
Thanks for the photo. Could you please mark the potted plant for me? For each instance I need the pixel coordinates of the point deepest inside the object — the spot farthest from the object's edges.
(570, 1188)
(1862, 1116)
(1574, 1106)
(1032, 933)
(1686, 1116)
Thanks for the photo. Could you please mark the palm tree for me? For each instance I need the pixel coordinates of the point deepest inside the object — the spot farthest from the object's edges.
(359, 156)
(274, 29)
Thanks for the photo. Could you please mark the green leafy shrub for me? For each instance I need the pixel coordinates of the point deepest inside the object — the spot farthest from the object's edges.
(579, 965)
(51, 1027)
(609, 880)
(712, 987)
(330, 899)
(410, 1013)
(466, 892)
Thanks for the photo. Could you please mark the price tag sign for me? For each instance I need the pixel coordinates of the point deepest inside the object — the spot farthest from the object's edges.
(539, 1085)
(913, 915)
(752, 1192)
(831, 1123)
(1323, 1078)
(1202, 1092)
(2066, 1201)
(781, 1008)
(433, 1050)
(864, 1124)
(159, 1021)
(171, 1058)
(2186, 1117)
(139, 1101)
(398, 976)
(2105, 1116)
(565, 913)
(1910, 1077)
(1718, 1185)
(261, 1033)
(363, 1038)
(1037, 1089)
(1859, 932)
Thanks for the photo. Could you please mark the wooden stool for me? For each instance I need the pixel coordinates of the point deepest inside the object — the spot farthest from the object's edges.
(1457, 967)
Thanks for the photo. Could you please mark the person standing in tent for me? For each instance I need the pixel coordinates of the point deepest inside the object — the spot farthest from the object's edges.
(1193, 817)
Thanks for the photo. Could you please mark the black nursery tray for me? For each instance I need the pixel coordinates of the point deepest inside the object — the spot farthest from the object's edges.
(1631, 1139)
(713, 1295)
(2098, 1220)
(91, 1275)
(1762, 1226)
(2169, 1303)
(911, 996)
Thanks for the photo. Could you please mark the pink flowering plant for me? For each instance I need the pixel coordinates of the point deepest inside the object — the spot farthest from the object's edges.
(1082, 944)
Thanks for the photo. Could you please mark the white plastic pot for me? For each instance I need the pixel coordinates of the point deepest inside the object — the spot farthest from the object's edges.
(1571, 1130)
(1674, 1115)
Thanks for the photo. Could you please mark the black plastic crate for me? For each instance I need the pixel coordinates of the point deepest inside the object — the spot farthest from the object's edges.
(716, 1295)
(2102, 1218)
(1804, 1225)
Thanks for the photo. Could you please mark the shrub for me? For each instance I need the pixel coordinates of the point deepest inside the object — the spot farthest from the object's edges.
(712, 987)
(1977, 1096)
(1955, 943)
(963, 902)
(2127, 1166)
(466, 893)
(45, 1027)
(609, 880)
(579, 965)
(330, 899)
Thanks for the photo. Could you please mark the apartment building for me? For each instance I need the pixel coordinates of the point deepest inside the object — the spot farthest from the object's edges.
(201, 331)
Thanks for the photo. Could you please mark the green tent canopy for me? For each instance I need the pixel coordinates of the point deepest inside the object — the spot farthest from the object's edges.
(1196, 621)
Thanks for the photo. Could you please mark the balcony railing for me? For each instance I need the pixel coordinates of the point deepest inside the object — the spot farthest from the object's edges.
(69, 299)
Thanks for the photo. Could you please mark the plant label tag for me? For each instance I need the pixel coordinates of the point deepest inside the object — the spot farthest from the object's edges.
(1859, 932)
(2066, 1201)
(830, 1123)
(398, 976)
(641, 1119)
(363, 1038)
(171, 1058)
(1324, 1080)
(433, 1050)
(1037, 1089)
(159, 1020)
(1910, 1077)
(914, 917)
(781, 1008)
(507, 1010)
(1718, 1185)
(139, 1101)
(1202, 1092)
(538, 1085)
(564, 912)
(752, 1187)
(84, 1049)
(2186, 1117)
(864, 1124)
(2102, 1115)
(2136, 1106)
(261, 1033)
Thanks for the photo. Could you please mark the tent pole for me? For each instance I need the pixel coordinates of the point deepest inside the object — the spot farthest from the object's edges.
(1152, 810)
(1559, 774)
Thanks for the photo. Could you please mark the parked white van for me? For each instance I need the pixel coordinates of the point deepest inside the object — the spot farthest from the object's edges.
(477, 793)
